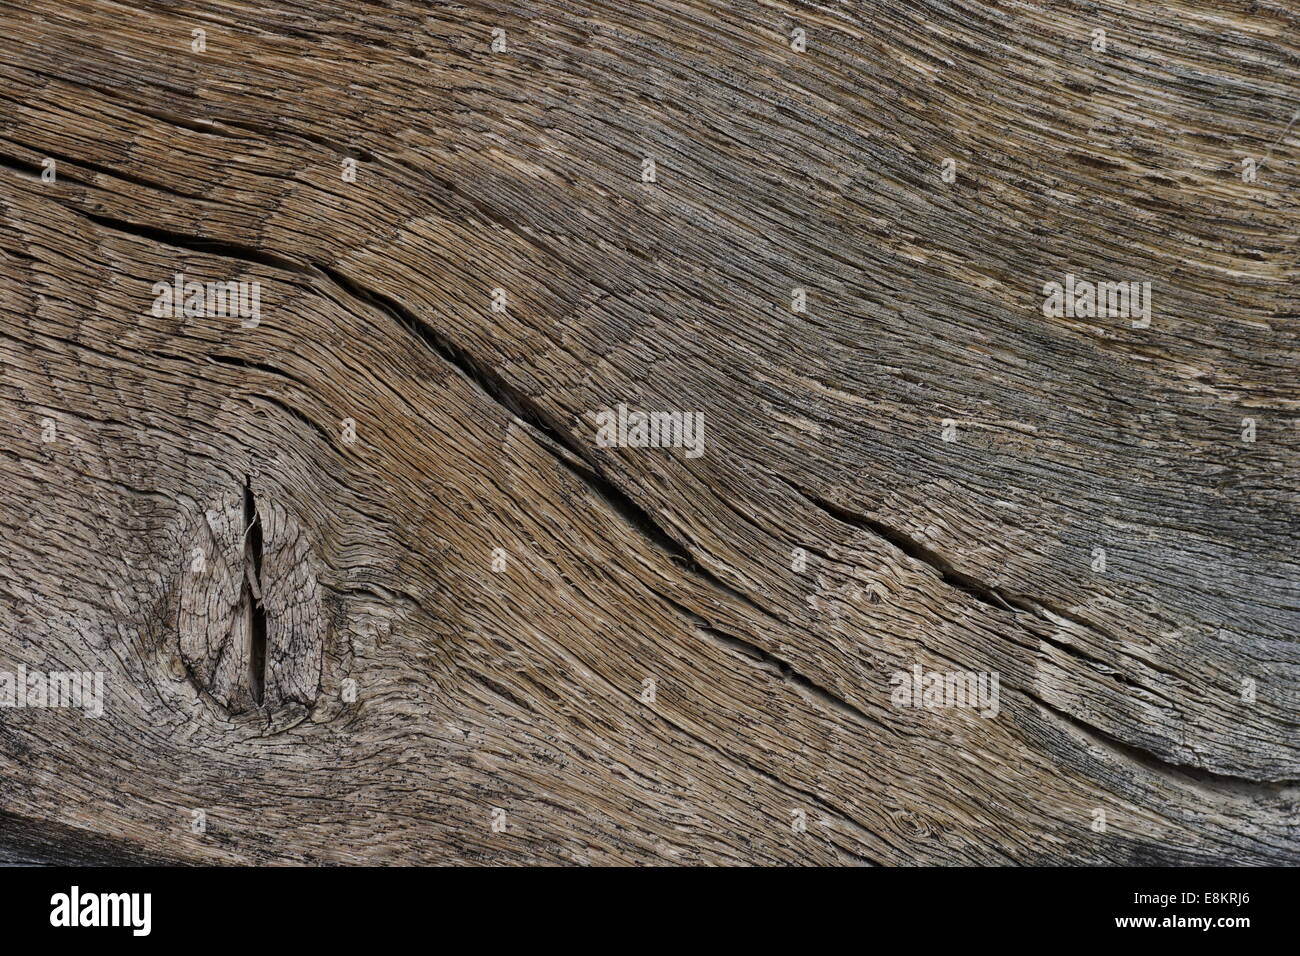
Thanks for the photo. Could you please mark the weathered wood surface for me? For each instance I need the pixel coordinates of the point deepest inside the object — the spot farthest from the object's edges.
(524, 690)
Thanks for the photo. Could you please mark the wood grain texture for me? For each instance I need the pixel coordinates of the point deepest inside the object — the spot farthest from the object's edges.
(436, 621)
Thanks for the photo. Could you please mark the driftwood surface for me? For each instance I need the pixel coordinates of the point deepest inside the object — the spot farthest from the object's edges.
(435, 620)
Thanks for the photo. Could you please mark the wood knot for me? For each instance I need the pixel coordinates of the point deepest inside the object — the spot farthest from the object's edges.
(251, 629)
(910, 824)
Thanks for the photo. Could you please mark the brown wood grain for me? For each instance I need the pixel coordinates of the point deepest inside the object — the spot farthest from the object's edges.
(431, 619)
